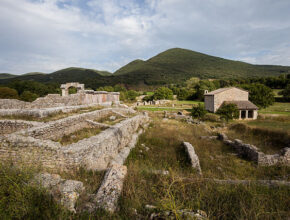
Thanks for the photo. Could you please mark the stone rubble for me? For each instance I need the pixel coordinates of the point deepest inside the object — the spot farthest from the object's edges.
(193, 157)
(64, 191)
(252, 153)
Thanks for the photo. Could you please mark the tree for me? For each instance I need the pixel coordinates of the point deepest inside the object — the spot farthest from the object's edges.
(163, 93)
(198, 111)
(183, 94)
(228, 111)
(286, 93)
(260, 95)
(28, 96)
(8, 93)
(131, 95)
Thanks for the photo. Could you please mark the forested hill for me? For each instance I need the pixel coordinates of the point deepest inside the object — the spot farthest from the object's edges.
(171, 66)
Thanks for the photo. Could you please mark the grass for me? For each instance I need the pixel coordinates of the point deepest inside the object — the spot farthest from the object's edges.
(267, 140)
(159, 148)
(79, 135)
(281, 123)
(183, 189)
(21, 200)
(279, 108)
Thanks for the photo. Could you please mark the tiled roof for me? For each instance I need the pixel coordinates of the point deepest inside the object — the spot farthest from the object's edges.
(222, 90)
(243, 104)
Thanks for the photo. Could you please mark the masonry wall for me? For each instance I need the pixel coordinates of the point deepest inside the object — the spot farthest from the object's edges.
(56, 100)
(233, 94)
(94, 153)
(10, 126)
(209, 103)
(54, 130)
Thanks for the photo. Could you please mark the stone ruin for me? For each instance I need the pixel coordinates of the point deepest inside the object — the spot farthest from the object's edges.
(38, 143)
(54, 103)
(252, 153)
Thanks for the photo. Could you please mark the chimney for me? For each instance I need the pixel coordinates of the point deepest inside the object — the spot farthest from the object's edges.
(205, 91)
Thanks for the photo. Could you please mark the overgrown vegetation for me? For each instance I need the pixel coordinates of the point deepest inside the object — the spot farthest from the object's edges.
(79, 135)
(228, 111)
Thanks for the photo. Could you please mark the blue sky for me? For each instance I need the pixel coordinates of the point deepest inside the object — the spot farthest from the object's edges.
(47, 35)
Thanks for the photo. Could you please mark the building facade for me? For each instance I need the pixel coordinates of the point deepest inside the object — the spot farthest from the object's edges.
(215, 99)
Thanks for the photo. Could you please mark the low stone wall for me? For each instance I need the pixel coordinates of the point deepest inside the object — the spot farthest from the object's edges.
(94, 153)
(252, 153)
(54, 130)
(10, 126)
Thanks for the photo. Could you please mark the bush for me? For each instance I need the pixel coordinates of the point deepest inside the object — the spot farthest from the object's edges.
(163, 93)
(28, 96)
(198, 111)
(131, 95)
(228, 111)
(260, 95)
(8, 93)
(286, 93)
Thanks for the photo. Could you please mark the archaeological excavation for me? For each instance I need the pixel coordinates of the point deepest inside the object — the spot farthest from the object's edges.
(98, 158)
(114, 132)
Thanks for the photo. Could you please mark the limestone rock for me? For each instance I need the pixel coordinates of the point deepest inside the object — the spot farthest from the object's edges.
(193, 157)
(111, 188)
(64, 191)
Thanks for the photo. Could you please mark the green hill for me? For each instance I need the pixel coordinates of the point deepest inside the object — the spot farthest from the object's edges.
(179, 64)
(6, 76)
(171, 66)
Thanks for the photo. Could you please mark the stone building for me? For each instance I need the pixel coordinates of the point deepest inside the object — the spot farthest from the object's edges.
(213, 101)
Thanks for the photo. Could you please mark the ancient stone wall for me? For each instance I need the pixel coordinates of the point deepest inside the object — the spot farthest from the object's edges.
(10, 126)
(56, 100)
(252, 153)
(94, 153)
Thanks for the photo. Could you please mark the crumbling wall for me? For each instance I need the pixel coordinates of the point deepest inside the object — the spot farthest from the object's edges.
(56, 129)
(56, 100)
(93, 153)
(10, 126)
(252, 153)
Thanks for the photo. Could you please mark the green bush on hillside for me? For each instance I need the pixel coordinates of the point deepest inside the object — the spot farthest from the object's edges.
(8, 93)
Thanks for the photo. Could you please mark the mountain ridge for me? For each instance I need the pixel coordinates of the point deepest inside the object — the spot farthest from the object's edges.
(171, 66)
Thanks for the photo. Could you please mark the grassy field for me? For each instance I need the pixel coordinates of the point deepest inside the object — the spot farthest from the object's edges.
(160, 149)
(278, 108)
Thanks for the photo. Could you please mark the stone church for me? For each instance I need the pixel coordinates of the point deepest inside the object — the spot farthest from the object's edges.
(214, 100)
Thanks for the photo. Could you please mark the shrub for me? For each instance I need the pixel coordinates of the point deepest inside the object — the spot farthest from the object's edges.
(260, 95)
(228, 111)
(163, 93)
(28, 96)
(8, 93)
(286, 93)
(198, 111)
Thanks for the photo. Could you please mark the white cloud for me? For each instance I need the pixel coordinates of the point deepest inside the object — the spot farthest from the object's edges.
(46, 35)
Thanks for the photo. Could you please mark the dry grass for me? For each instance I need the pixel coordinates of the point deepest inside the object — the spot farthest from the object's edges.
(175, 191)
(79, 135)
(267, 140)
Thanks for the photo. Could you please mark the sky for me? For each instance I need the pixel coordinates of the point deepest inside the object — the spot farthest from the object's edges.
(48, 35)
